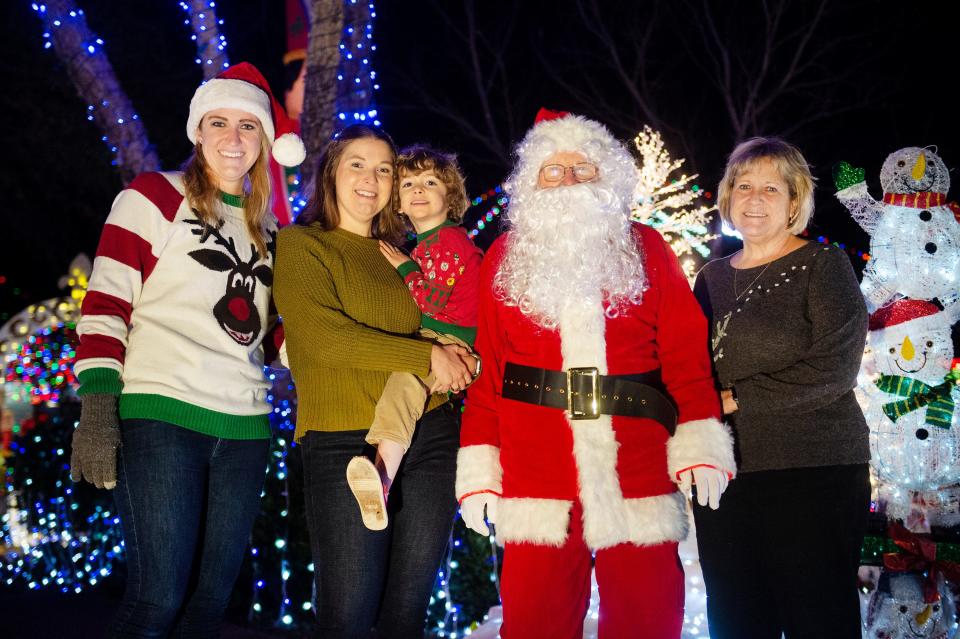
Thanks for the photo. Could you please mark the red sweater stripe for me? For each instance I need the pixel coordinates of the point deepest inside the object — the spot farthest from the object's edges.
(99, 303)
(160, 192)
(100, 346)
(128, 248)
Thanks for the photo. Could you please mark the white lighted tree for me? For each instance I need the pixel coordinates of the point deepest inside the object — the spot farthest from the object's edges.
(669, 204)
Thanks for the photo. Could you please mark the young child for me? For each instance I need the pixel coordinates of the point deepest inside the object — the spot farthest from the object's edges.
(443, 277)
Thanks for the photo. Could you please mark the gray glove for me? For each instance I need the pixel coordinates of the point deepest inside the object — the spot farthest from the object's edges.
(95, 441)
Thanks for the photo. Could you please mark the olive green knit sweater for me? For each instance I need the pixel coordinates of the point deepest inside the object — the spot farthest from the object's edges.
(348, 318)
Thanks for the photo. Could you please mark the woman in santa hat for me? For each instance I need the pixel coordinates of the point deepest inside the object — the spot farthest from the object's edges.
(171, 359)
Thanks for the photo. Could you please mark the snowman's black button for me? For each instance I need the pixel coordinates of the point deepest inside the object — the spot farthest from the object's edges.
(931, 248)
(922, 433)
(925, 216)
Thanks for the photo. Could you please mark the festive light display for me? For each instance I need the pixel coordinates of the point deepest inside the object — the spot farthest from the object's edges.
(53, 534)
(667, 204)
(914, 235)
(211, 45)
(500, 199)
(356, 79)
(82, 52)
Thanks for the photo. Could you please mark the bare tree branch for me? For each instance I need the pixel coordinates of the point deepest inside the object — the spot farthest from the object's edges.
(81, 52)
(211, 46)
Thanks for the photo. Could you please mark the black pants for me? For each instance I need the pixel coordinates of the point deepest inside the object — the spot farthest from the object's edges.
(381, 579)
(781, 554)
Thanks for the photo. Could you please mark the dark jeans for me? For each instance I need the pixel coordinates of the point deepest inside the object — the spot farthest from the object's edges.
(187, 502)
(381, 579)
(781, 554)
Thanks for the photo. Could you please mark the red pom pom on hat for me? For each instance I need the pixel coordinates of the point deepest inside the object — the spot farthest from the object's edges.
(242, 86)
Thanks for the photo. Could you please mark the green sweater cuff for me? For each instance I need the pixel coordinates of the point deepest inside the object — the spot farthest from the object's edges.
(467, 333)
(99, 380)
(407, 268)
(195, 418)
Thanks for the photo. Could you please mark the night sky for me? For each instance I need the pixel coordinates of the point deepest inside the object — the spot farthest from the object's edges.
(883, 79)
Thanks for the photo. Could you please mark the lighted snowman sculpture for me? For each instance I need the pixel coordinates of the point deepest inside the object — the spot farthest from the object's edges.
(914, 232)
(897, 609)
(912, 401)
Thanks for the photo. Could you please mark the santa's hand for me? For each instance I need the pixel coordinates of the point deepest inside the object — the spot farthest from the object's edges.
(472, 508)
(710, 483)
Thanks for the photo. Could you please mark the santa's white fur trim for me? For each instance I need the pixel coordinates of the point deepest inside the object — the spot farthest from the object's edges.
(288, 150)
(648, 521)
(617, 167)
(701, 441)
(478, 470)
(536, 521)
(655, 520)
(223, 93)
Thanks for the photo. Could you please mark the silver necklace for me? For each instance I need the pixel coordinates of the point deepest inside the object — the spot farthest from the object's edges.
(750, 285)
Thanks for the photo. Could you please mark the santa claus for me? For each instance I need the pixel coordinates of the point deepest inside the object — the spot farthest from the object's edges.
(596, 409)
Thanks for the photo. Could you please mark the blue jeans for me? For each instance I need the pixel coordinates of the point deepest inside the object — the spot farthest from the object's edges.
(380, 579)
(187, 503)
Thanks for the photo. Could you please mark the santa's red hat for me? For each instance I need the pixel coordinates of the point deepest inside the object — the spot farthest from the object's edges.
(556, 131)
(243, 87)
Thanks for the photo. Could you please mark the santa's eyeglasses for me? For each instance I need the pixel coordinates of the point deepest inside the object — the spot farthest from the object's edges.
(582, 172)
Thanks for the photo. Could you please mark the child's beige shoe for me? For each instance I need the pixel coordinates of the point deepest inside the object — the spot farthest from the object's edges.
(364, 481)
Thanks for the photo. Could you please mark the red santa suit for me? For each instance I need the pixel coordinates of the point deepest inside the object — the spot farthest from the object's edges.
(606, 485)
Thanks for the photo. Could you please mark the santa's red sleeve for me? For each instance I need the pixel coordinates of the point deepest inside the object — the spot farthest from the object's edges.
(701, 439)
(478, 462)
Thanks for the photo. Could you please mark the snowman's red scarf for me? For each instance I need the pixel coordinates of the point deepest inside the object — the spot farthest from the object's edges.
(921, 200)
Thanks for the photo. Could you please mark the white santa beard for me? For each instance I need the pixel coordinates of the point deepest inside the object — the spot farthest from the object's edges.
(570, 245)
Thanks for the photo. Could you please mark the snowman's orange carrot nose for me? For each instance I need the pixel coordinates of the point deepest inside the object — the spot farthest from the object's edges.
(919, 167)
(923, 616)
(906, 349)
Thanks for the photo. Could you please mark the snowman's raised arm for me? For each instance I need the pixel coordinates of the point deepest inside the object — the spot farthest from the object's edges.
(852, 193)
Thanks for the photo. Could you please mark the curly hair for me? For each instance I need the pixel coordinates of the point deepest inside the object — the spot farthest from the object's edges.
(418, 158)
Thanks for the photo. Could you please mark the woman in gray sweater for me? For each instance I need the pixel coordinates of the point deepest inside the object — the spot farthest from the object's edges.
(788, 326)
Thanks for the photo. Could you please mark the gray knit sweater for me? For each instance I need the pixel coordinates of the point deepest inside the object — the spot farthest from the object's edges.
(790, 347)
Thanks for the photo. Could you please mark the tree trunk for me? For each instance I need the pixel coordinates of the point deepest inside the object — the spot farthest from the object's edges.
(356, 80)
(81, 52)
(320, 93)
(211, 46)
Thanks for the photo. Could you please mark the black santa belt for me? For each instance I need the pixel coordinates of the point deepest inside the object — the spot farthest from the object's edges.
(586, 394)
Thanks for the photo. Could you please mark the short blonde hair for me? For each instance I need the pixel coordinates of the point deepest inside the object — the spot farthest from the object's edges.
(791, 166)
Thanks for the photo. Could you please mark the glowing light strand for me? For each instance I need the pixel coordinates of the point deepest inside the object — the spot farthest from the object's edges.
(500, 199)
(82, 53)
(211, 44)
(356, 79)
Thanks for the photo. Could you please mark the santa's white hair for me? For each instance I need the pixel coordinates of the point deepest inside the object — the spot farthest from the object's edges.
(571, 243)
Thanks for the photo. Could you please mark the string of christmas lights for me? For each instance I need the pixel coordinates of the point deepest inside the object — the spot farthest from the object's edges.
(211, 44)
(86, 62)
(356, 79)
(500, 199)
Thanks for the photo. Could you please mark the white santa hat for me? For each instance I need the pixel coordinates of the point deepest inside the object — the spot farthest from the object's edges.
(556, 131)
(243, 87)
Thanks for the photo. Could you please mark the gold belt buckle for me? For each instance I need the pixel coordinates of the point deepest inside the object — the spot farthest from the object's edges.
(589, 407)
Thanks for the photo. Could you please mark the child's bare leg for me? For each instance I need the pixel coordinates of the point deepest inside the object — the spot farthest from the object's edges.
(389, 456)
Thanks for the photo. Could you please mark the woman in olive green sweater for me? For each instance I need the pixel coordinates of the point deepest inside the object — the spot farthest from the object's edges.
(349, 322)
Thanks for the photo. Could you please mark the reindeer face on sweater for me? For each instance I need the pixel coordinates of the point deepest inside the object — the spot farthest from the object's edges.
(236, 311)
